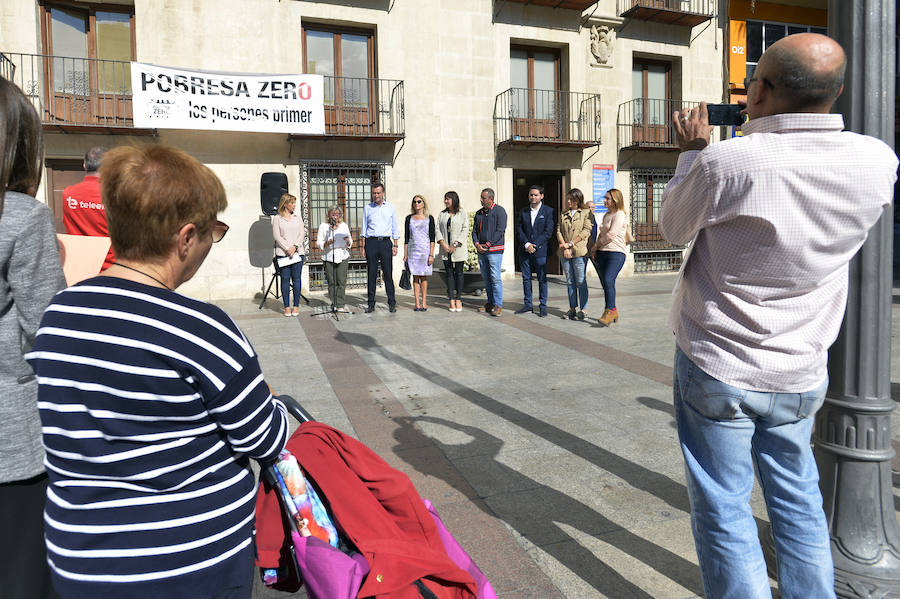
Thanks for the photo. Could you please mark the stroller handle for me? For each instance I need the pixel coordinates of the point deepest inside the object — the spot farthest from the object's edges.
(294, 408)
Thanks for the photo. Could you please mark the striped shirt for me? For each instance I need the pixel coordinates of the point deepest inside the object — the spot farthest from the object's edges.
(776, 216)
(151, 405)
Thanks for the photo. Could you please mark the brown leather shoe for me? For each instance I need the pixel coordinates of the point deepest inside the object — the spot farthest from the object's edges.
(496, 311)
(609, 317)
(485, 308)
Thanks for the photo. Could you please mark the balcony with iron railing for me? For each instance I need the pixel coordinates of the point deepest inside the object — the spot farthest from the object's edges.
(645, 124)
(549, 118)
(674, 12)
(579, 5)
(86, 94)
(75, 94)
(363, 108)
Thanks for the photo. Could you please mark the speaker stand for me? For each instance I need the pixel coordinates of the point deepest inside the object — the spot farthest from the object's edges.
(275, 280)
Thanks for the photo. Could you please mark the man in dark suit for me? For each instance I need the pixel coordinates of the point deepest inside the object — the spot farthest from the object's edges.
(535, 228)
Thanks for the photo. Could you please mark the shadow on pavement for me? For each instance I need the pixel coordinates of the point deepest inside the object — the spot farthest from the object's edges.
(537, 511)
(574, 513)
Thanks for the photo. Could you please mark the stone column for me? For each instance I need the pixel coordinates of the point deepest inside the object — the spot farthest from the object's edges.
(852, 438)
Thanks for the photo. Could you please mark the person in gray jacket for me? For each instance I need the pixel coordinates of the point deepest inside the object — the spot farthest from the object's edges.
(452, 237)
(30, 275)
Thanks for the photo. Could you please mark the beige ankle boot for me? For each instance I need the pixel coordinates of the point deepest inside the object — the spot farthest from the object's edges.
(609, 317)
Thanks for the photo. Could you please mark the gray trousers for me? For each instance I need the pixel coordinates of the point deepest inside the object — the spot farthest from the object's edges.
(336, 280)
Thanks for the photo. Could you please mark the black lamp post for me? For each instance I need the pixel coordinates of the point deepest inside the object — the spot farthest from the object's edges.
(852, 438)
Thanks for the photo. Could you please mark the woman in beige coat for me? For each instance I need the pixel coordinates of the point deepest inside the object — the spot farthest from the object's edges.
(573, 232)
(452, 235)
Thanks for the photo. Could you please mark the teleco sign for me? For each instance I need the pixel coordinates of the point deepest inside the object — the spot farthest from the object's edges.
(167, 98)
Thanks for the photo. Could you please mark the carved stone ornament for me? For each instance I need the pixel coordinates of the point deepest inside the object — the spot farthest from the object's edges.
(602, 39)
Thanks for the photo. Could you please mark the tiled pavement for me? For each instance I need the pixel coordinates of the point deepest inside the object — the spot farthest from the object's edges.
(547, 445)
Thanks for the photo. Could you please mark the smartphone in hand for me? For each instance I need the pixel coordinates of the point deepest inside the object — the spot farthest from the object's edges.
(725, 114)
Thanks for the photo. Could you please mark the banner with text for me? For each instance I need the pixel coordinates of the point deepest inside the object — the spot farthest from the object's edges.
(167, 98)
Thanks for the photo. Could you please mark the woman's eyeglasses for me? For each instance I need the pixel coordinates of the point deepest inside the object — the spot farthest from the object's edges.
(218, 231)
(417, 202)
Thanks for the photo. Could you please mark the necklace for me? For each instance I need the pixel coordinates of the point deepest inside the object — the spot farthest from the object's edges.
(141, 272)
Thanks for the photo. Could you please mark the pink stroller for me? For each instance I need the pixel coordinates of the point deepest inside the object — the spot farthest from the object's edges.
(351, 526)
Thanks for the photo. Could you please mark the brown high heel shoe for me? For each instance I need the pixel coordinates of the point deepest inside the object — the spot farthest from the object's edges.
(609, 317)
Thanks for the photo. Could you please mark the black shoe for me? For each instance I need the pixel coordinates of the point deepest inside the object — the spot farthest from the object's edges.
(571, 314)
(524, 310)
(370, 309)
(580, 315)
(392, 308)
(543, 312)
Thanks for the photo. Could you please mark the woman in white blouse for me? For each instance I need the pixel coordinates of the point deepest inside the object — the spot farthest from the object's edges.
(335, 242)
(289, 234)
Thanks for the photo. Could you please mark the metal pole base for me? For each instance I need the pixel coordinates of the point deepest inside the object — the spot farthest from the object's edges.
(852, 444)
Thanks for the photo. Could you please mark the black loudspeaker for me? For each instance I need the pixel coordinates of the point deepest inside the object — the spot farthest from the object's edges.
(271, 187)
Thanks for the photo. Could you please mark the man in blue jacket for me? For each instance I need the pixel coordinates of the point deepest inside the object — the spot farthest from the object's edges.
(488, 234)
(534, 228)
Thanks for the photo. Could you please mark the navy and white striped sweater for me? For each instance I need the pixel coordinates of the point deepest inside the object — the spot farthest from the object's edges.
(151, 405)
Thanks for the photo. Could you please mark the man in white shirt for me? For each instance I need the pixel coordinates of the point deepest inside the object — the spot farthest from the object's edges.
(775, 216)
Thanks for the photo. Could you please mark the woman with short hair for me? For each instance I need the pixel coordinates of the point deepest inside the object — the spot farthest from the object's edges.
(152, 403)
(334, 240)
(609, 250)
(573, 232)
(452, 236)
(418, 249)
(290, 235)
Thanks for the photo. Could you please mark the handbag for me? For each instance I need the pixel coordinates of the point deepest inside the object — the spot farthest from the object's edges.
(404, 278)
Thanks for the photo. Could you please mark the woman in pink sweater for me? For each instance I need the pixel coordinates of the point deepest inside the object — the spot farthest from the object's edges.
(610, 251)
(289, 233)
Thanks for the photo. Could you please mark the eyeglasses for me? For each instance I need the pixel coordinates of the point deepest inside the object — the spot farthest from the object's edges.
(418, 202)
(749, 80)
(218, 231)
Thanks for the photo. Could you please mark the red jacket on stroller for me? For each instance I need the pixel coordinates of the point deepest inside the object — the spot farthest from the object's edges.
(377, 509)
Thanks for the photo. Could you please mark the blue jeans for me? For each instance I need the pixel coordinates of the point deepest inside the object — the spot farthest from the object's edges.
(532, 264)
(576, 283)
(291, 274)
(608, 266)
(726, 433)
(490, 271)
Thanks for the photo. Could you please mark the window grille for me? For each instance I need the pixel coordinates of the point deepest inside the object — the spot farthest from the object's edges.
(651, 252)
(645, 262)
(347, 184)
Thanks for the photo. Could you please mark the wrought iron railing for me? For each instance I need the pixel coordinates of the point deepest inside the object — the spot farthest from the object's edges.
(92, 92)
(523, 115)
(645, 123)
(671, 11)
(364, 107)
(7, 67)
(75, 91)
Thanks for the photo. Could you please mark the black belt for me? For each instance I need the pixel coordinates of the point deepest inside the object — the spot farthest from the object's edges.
(388, 238)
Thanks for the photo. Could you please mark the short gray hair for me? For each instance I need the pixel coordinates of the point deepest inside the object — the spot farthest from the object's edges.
(92, 159)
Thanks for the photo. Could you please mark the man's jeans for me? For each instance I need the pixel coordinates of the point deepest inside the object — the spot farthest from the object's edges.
(726, 433)
(576, 283)
(490, 271)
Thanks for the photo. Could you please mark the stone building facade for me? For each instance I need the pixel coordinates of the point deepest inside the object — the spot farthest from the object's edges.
(426, 96)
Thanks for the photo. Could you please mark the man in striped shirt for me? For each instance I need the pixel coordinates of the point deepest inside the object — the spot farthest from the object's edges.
(775, 216)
